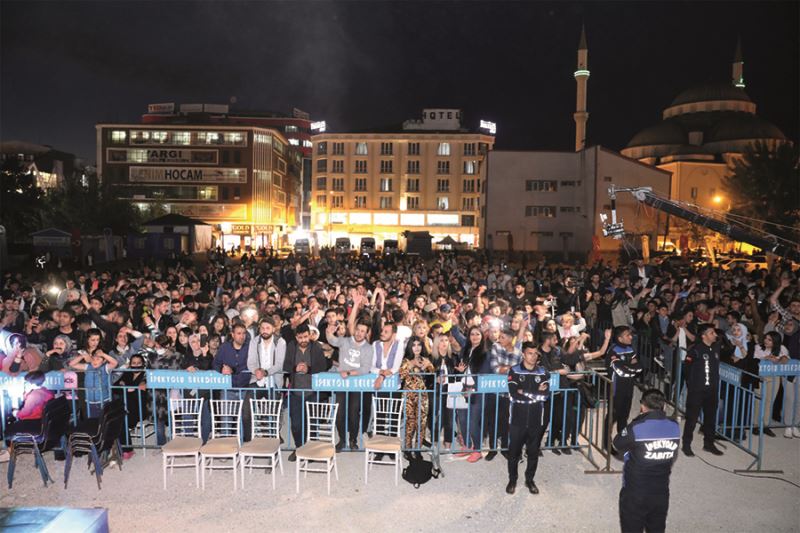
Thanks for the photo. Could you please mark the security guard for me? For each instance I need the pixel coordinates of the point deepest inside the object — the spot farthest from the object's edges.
(650, 446)
(529, 392)
(623, 367)
(702, 383)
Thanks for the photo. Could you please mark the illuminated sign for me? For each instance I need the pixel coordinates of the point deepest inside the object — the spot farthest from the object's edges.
(491, 127)
(412, 219)
(294, 142)
(164, 109)
(240, 229)
(385, 219)
(148, 155)
(186, 174)
(442, 220)
(203, 211)
(318, 126)
(360, 218)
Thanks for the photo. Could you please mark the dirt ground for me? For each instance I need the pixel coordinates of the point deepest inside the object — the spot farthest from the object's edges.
(470, 495)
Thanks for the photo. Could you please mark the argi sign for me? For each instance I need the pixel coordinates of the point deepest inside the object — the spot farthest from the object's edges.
(153, 155)
(186, 174)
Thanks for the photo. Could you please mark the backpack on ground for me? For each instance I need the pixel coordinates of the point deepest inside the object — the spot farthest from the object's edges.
(419, 471)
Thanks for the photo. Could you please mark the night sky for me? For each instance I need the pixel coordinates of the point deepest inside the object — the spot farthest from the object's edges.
(68, 65)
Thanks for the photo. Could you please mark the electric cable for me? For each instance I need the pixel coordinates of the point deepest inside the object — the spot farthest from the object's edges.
(749, 475)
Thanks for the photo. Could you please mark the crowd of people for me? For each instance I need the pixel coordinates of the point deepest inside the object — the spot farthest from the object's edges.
(272, 323)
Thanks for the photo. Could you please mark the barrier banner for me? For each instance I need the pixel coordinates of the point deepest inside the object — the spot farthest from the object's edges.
(181, 379)
(498, 383)
(333, 381)
(52, 380)
(730, 374)
(768, 368)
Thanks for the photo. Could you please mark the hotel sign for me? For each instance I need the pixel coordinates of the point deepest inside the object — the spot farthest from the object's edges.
(186, 175)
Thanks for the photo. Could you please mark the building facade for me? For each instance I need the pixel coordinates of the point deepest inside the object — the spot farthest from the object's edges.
(235, 177)
(427, 176)
(552, 201)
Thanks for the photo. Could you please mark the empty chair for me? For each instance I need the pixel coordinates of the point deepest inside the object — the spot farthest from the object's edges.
(266, 442)
(186, 441)
(226, 417)
(319, 446)
(96, 437)
(388, 413)
(37, 436)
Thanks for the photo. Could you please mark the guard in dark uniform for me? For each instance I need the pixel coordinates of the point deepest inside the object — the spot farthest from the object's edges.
(702, 383)
(650, 447)
(623, 368)
(529, 392)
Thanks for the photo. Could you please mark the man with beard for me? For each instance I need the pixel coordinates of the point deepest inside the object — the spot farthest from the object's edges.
(265, 356)
(304, 357)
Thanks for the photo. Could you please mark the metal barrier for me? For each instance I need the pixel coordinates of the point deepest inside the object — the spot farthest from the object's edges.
(597, 426)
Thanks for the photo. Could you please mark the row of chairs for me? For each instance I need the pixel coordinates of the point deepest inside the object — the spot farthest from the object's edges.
(226, 443)
(95, 437)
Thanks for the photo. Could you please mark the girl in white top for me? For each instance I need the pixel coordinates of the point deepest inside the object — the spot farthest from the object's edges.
(771, 349)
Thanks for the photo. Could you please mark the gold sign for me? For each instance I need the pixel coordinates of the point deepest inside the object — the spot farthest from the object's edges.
(240, 229)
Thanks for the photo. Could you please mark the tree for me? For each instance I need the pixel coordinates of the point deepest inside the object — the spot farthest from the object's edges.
(765, 185)
(21, 201)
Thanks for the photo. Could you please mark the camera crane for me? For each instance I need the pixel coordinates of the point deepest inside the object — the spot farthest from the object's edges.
(765, 241)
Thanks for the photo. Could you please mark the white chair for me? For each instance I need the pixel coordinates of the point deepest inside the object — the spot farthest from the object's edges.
(266, 443)
(186, 441)
(319, 446)
(226, 417)
(387, 413)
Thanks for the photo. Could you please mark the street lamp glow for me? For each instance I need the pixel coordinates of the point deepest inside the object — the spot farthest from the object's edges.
(717, 199)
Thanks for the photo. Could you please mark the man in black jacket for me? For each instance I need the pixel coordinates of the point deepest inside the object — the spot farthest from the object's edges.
(702, 382)
(650, 446)
(304, 357)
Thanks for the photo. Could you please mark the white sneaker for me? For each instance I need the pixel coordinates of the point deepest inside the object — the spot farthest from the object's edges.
(796, 432)
(787, 433)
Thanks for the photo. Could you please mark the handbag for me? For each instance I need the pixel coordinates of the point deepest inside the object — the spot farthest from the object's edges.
(455, 398)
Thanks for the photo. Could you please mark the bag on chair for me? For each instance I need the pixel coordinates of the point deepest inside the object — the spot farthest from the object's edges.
(419, 471)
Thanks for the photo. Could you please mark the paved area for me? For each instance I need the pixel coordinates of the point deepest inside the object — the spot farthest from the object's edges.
(471, 495)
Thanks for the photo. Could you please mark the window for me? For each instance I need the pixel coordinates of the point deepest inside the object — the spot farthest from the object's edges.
(386, 166)
(386, 149)
(412, 202)
(571, 183)
(337, 184)
(277, 145)
(386, 184)
(360, 202)
(412, 167)
(322, 165)
(181, 137)
(541, 234)
(291, 129)
(694, 192)
(443, 149)
(413, 148)
(468, 220)
(469, 186)
(322, 184)
(361, 167)
(237, 137)
(469, 149)
(338, 166)
(118, 136)
(545, 211)
(261, 138)
(443, 203)
(470, 167)
(483, 148)
(442, 185)
(468, 203)
(277, 179)
(226, 156)
(337, 201)
(322, 200)
(225, 194)
(361, 184)
(322, 148)
(607, 178)
(338, 148)
(237, 192)
(443, 167)
(237, 157)
(209, 137)
(386, 202)
(281, 166)
(412, 185)
(570, 209)
(361, 149)
(541, 185)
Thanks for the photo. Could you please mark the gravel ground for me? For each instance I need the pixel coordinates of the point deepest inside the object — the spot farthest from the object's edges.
(470, 495)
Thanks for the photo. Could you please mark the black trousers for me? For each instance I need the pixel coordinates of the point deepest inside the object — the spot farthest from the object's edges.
(640, 511)
(705, 400)
(531, 438)
(623, 398)
(351, 411)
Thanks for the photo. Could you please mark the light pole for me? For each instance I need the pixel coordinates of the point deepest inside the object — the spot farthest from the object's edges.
(330, 222)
